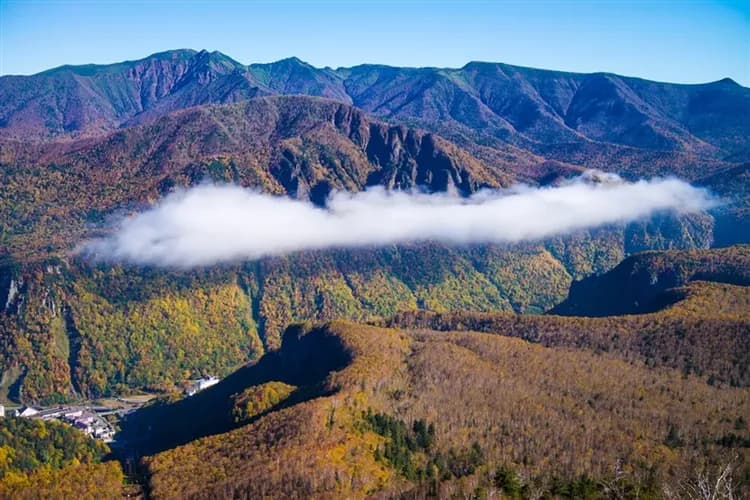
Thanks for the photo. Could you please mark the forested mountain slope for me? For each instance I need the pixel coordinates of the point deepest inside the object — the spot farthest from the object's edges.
(72, 328)
(75, 329)
(706, 333)
(688, 310)
(498, 112)
(299, 146)
(428, 408)
(637, 284)
(350, 410)
(445, 377)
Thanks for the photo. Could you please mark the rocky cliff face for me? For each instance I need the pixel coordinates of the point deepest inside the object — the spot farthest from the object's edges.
(294, 145)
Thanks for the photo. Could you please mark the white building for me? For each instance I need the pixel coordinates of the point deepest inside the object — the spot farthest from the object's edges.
(200, 384)
(2, 411)
(28, 412)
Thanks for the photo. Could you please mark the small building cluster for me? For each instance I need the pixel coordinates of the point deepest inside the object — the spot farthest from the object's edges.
(82, 418)
(200, 384)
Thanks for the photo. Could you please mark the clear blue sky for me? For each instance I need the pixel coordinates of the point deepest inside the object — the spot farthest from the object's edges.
(678, 41)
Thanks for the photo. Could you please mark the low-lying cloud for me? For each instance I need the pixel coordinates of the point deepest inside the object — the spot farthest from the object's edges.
(212, 224)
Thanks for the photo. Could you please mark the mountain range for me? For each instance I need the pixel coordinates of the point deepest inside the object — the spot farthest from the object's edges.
(611, 361)
(82, 144)
(521, 106)
(136, 129)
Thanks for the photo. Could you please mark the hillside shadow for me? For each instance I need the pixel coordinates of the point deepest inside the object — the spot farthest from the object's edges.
(306, 357)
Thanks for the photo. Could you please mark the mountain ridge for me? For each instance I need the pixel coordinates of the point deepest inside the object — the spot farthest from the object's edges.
(451, 379)
(191, 52)
(505, 103)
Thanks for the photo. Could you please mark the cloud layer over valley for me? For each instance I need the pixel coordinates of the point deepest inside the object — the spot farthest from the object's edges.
(212, 224)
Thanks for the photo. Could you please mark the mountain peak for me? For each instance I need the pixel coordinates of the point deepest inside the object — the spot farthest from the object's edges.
(727, 81)
(292, 59)
(287, 62)
(503, 103)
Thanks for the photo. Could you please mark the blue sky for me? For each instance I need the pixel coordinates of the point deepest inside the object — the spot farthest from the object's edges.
(679, 41)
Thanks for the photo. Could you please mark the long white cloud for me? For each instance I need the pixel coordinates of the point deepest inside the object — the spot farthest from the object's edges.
(212, 224)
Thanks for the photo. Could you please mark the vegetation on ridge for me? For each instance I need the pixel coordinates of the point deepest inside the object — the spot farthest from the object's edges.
(556, 419)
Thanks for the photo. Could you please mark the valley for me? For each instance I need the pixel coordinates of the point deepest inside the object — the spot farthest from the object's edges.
(611, 361)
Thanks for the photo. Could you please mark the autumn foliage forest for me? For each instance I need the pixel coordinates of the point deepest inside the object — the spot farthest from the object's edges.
(420, 412)
(612, 362)
(636, 406)
(418, 403)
